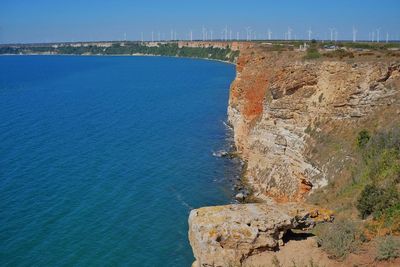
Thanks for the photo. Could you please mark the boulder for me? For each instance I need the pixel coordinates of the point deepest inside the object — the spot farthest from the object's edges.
(227, 235)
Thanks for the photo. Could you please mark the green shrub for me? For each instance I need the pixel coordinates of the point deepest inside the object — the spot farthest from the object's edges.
(391, 218)
(363, 138)
(312, 53)
(380, 174)
(388, 248)
(338, 239)
(368, 199)
(375, 200)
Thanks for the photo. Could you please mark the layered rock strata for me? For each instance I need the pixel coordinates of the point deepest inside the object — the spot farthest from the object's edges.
(278, 99)
(227, 235)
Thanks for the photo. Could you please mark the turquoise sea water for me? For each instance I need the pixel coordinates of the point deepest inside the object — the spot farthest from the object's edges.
(102, 158)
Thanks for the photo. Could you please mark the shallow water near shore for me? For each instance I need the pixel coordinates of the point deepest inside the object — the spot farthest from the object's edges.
(102, 158)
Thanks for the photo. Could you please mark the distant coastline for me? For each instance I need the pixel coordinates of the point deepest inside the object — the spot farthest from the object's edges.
(227, 52)
(122, 55)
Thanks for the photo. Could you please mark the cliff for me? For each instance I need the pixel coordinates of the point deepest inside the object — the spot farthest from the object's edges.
(295, 123)
(282, 107)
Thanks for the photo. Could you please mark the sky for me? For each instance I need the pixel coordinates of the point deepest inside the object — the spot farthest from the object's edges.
(32, 21)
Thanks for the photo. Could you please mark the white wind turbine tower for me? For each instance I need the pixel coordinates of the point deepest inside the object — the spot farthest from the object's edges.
(247, 33)
(332, 31)
(289, 33)
(373, 36)
(336, 35)
(237, 36)
(211, 35)
(152, 36)
(226, 33)
(377, 34)
(354, 34)
(191, 35)
(309, 34)
(387, 37)
(269, 34)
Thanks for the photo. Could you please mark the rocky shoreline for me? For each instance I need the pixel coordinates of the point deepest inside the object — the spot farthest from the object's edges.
(280, 108)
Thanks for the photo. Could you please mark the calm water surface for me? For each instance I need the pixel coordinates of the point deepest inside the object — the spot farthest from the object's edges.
(102, 158)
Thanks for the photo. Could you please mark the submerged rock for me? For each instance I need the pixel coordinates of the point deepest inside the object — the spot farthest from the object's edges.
(220, 154)
(226, 235)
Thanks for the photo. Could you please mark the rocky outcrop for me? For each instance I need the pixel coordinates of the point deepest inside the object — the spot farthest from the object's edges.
(279, 100)
(227, 235)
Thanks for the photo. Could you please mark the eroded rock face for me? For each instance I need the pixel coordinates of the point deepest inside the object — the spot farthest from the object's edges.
(277, 99)
(226, 235)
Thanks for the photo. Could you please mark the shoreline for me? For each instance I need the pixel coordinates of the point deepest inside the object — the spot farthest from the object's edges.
(122, 55)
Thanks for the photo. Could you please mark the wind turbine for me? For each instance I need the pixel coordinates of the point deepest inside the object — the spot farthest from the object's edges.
(377, 34)
(309, 34)
(191, 35)
(237, 36)
(354, 34)
(269, 34)
(211, 35)
(152, 36)
(332, 30)
(387, 37)
(248, 33)
(289, 32)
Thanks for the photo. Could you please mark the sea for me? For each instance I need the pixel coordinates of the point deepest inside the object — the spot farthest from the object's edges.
(102, 158)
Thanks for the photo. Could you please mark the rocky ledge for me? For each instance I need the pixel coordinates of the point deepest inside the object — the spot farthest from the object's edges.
(227, 235)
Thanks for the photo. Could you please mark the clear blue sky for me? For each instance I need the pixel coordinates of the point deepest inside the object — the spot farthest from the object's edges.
(67, 20)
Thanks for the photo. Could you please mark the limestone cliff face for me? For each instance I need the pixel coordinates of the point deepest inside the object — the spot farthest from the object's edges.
(278, 101)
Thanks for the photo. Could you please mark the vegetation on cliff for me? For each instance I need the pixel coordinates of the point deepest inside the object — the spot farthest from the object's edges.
(375, 187)
(379, 176)
(129, 48)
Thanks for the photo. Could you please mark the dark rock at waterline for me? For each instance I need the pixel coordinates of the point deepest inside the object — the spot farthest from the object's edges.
(220, 154)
